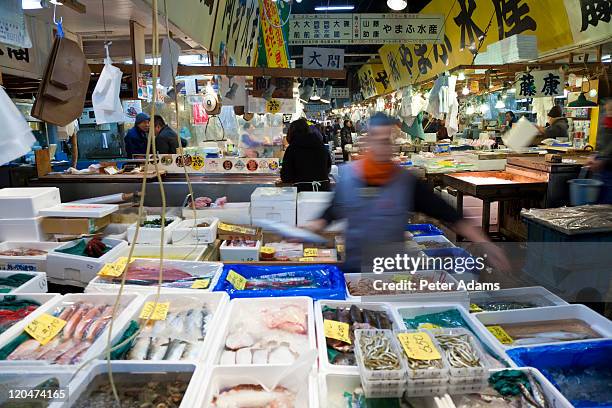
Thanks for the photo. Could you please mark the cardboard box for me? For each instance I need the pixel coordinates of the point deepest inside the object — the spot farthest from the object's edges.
(76, 226)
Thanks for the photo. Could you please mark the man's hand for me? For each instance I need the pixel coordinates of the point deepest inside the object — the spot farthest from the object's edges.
(495, 255)
(316, 226)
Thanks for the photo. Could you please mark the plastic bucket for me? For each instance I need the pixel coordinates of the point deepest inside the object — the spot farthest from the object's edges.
(584, 191)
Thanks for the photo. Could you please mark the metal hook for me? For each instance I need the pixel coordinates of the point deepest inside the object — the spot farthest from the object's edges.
(61, 20)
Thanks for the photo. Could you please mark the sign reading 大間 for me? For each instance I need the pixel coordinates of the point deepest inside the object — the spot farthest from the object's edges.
(323, 58)
(307, 29)
(539, 83)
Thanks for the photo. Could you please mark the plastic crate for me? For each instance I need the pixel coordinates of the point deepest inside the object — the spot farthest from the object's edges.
(423, 230)
(368, 375)
(480, 372)
(426, 373)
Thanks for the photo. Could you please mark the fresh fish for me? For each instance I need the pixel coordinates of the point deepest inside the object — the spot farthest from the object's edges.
(244, 356)
(527, 395)
(384, 322)
(253, 396)
(175, 350)
(290, 318)
(356, 314)
(49, 348)
(329, 315)
(86, 321)
(558, 335)
(238, 340)
(140, 349)
(281, 355)
(68, 311)
(191, 352)
(228, 357)
(26, 348)
(369, 317)
(71, 356)
(176, 323)
(158, 348)
(343, 315)
(260, 356)
(98, 326)
(75, 319)
(537, 392)
(194, 324)
(344, 359)
(56, 352)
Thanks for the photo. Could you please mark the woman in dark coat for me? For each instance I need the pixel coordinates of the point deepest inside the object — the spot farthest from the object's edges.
(307, 162)
(346, 137)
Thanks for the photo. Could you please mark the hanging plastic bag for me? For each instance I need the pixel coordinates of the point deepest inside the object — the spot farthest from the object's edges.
(170, 52)
(16, 138)
(105, 97)
(230, 122)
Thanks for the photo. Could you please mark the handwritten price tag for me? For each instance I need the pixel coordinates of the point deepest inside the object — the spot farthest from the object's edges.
(160, 312)
(201, 284)
(337, 330)
(238, 281)
(267, 250)
(419, 346)
(311, 252)
(44, 328)
(114, 269)
(237, 228)
(474, 308)
(500, 334)
(309, 259)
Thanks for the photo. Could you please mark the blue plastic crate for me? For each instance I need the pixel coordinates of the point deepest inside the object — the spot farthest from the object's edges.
(423, 230)
(329, 280)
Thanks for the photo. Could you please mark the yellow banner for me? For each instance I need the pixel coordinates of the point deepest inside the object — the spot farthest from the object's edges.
(373, 80)
(276, 51)
(467, 23)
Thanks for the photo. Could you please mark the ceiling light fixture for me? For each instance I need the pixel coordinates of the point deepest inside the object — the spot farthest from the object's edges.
(315, 95)
(335, 8)
(31, 4)
(465, 91)
(397, 5)
(461, 77)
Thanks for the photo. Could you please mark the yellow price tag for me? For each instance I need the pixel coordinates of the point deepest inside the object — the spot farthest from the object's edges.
(429, 326)
(237, 280)
(307, 259)
(419, 346)
(399, 278)
(311, 252)
(474, 308)
(201, 284)
(114, 269)
(160, 312)
(340, 248)
(237, 228)
(337, 330)
(500, 334)
(44, 328)
(267, 250)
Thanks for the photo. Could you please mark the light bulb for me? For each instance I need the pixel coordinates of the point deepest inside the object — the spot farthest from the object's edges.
(465, 91)
(593, 93)
(397, 4)
(461, 77)
(500, 104)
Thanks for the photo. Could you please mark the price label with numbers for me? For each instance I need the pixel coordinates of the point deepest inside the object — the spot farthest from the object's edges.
(308, 259)
(160, 312)
(311, 252)
(501, 334)
(237, 228)
(419, 346)
(114, 269)
(337, 330)
(44, 328)
(429, 326)
(267, 250)
(201, 284)
(238, 281)
(474, 308)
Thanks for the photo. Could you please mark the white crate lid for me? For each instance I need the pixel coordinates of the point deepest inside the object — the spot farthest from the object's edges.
(274, 194)
(79, 210)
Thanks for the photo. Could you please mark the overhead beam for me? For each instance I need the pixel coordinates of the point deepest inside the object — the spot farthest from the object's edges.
(75, 5)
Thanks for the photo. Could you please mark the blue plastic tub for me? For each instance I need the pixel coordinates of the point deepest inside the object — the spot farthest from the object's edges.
(328, 279)
(584, 191)
(423, 230)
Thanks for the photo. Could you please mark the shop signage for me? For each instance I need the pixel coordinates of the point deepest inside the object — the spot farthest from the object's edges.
(28, 62)
(196, 163)
(260, 105)
(235, 32)
(323, 58)
(341, 93)
(373, 80)
(199, 114)
(131, 108)
(274, 41)
(13, 29)
(539, 83)
(354, 28)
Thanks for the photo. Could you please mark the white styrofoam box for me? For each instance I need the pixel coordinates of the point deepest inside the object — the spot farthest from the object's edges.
(152, 236)
(79, 270)
(491, 348)
(25, 263)
(22, 229)
(333, 386)
(273, 194)
(274, 203)
(41, 298)
(324, 364)
(19, 379)
(80, 384)
(232, 213)
(302, 384)
(241, 314)
(127, 303)
(434, 238)
(25, 202)
(537, 295)
(239, 254)
(38, 283)
(598, 323)
(171, 252)
(79, 210)
(188, 233)
(211, 270)
(311, 205)
(458, 296)
(214, 302)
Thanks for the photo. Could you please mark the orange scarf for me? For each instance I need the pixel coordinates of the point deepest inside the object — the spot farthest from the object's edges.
(377, 173)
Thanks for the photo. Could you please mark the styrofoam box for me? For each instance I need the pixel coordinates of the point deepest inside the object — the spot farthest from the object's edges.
(171, 252)
(129, 301)
(80, 383)
(311, 205)
(42, 298)
(22, 229)
(459, 296)
(243, 309)
(213, 269)
(239, 254)
(79, 270)
(491, 347)
(25, 202)
(232, 213)
(152, 236)
(188, 233)
(304, 385)
(26, 263)
(274, 203)
(333, 386)
(38, 284)
(79, 210)
(533, 294)
(597, 322)
(324, 364)
(215, 303)
(18, 378)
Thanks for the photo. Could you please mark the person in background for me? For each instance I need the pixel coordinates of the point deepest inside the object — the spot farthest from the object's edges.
(346, 137)
(166, 139)
(376, 196)
(601, 164)
(136, 137)
(433, 125)
(336, 125)
(510, 120)
(442, 133)
(306, 163)
(557, 127)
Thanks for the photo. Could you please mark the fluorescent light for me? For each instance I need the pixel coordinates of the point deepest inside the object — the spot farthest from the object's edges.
(31, 4)
(397, 5)
(461, 77)
(334, 8)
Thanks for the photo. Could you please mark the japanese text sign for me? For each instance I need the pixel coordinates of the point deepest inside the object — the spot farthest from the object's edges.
(373, 80)
(539, 83)
(323, 58)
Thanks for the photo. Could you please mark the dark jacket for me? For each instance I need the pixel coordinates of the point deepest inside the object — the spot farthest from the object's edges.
(306, 160)
(166, 142)
(346, 136)
(135, 142)
(558, 130)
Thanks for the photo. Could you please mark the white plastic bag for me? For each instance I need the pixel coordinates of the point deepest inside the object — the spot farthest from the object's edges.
(105, 97)
(16, 137)
(170, 52)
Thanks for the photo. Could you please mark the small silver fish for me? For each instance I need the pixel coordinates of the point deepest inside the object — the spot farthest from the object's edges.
(191, 352)
(158, 348)
(536, 391)
(175, 350)
(140, 348)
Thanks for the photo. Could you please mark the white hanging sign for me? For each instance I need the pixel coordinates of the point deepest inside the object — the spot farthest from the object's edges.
(539, 83)
(323, 58)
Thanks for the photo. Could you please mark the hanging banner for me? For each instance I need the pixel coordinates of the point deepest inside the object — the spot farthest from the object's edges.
(539, 83)
(131, 108)
(274, 41)
(468, 20)
(260, 105)
(235, 32)
(199, 114)
(373, 80)
(394, 28)
(323, 58)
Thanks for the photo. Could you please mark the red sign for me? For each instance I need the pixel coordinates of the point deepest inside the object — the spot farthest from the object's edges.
(200, 117)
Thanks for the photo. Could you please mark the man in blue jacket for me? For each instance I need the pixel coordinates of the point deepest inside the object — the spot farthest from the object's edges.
(136, 137)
